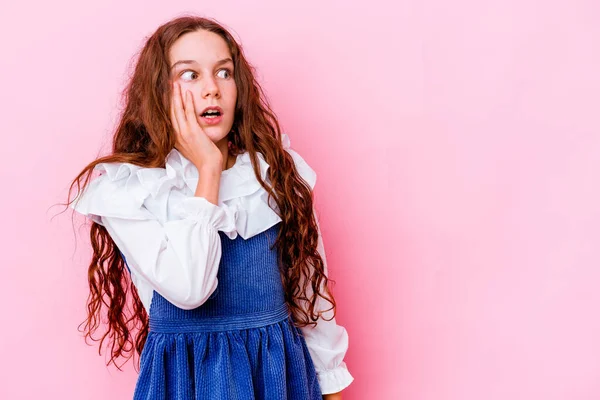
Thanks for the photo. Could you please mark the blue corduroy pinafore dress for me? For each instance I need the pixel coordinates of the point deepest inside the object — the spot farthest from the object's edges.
(240, 344)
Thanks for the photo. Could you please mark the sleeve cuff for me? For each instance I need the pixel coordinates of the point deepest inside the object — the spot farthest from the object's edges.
(334, 380)
(221, 217)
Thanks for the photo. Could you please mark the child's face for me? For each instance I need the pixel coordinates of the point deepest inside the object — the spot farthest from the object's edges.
(201, 62)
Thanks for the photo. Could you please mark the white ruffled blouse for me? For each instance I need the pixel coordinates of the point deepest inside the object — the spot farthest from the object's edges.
(154, 218)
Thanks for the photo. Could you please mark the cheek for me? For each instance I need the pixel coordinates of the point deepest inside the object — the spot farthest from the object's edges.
(194, 90)
(230, 93)
(186, 85)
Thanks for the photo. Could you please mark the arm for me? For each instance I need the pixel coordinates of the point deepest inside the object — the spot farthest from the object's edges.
(327, 343)
(179, 258)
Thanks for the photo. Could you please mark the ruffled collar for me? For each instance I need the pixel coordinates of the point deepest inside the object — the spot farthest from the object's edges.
(239, 180)
(124, 188)
(240, 194)
(236, 181)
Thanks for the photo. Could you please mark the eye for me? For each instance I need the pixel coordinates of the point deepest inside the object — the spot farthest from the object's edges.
(226, 71)
(186, 72)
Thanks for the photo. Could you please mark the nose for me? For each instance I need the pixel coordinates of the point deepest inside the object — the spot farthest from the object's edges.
(210, 88)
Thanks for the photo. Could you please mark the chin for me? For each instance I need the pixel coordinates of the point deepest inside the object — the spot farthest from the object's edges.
(216, 133)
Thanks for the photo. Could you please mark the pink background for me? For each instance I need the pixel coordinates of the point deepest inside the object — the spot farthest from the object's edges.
(457, 147)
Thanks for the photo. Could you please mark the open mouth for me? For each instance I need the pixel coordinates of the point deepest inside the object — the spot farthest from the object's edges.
(211, 114)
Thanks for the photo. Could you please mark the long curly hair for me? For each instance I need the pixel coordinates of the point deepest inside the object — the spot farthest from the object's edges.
(144, 136)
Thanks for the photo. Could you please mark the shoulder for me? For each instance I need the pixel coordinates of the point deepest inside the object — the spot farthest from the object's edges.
(304, 169)
(119, 190)
(124, 190)
(240, 178)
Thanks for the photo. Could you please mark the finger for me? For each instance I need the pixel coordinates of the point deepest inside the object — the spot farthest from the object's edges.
(179, 110)
(174, 121)
(190, 110)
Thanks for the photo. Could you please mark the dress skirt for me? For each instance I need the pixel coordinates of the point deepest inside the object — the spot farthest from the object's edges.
(241, 344)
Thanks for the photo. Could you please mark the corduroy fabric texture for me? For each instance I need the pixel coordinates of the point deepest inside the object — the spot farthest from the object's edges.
(239, 345)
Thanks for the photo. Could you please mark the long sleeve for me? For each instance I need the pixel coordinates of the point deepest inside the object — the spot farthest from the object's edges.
(328, 343)
(180, 258)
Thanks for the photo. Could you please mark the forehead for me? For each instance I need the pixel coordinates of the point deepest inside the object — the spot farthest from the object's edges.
(202, 46)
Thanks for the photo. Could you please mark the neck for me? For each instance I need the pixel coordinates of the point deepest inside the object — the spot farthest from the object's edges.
(228, 159)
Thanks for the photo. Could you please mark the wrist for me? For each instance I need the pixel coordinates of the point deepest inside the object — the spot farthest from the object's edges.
(209, 169)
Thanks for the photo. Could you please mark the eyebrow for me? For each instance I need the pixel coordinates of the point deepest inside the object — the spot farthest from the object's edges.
(220, 62)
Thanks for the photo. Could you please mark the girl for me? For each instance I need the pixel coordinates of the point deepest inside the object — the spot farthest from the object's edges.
(205, 212)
